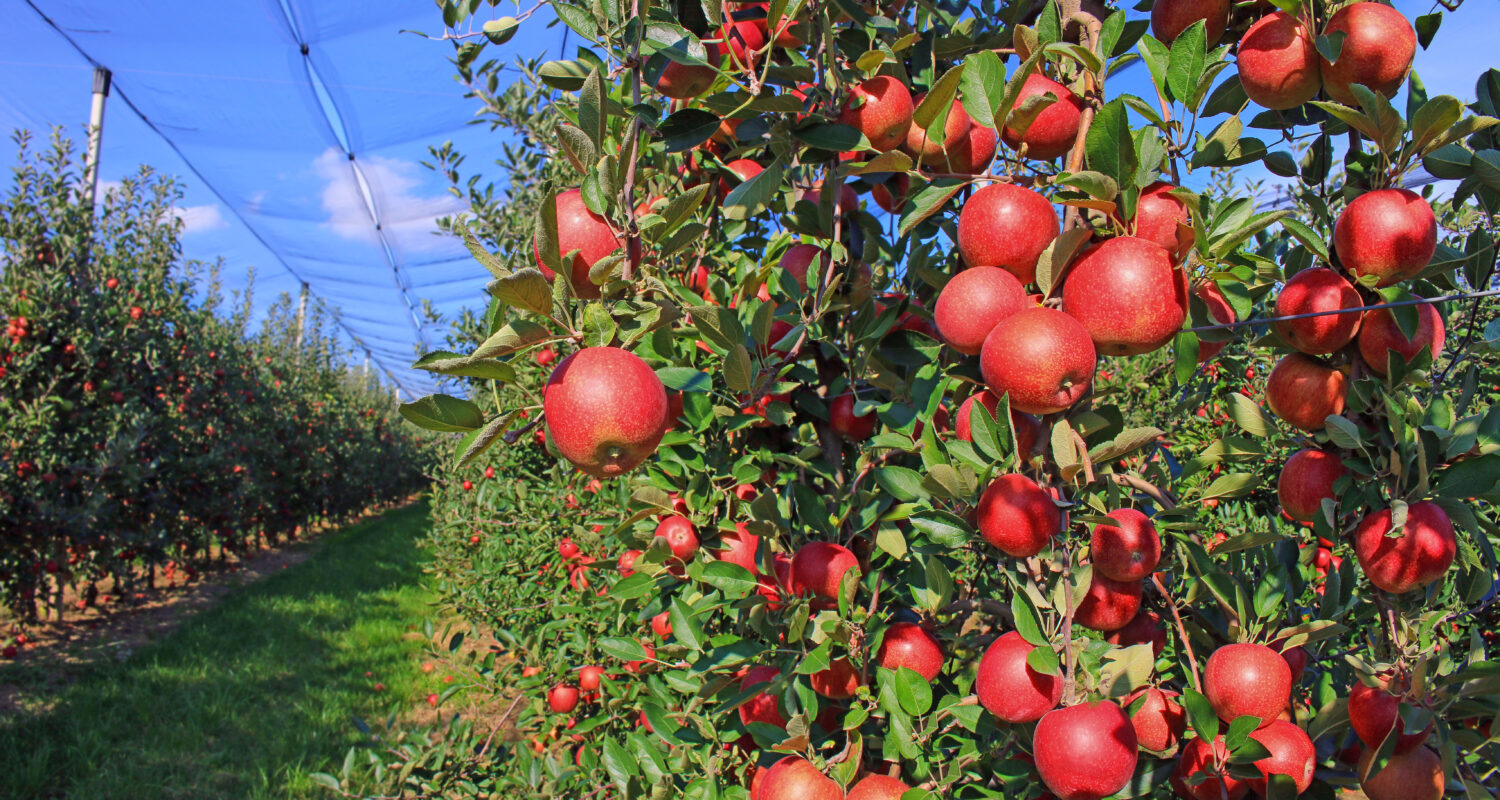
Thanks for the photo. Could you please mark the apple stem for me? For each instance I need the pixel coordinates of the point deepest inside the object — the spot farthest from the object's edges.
(1187, 644)
(1083, 453)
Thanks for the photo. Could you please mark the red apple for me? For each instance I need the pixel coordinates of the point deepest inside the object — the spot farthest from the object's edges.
(605, 410)
(1160, 722)
(890, 194)
(1055, 128)
(745, 38)
(818, 568)
(799, 258)
(588, 678)
(1128, 296)
(761, 707)
(562, 698)
(1388, 233)
(878, 787)
(680, 535)
(1042, 358)
(580, 229)
(738, 547)
(1017, 516)
(1420, 555)
(1006, 226)
(1109, 604)
(1318, 290)
(1417, 775)
(842, 419)
(684, 81)
(1304, 392)
(880, 108)
(1026, 428)
(1374, 713)
(795, 778)
(1247, 680)
(1146, 628)
(941, 153)
(1380, 333)
(567, 548)
(626, 564)
(1169, 18)
(1219, 313)
(1201, 758)
(1379, 44)
(976, 150)
(661, 625)
(1127, 550)
(1292, 754)
(743, 170)
(1010, 689)
(1306, 480)
(1085, 752)
(1158, 214)
(838, 682)
(973, 302)
(907, 644)
(1278, 62)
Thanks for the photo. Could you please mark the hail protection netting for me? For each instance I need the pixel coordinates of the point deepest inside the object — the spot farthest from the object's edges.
(305, 121)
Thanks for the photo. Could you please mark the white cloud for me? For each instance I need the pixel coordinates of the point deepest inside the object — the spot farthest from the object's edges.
(200, 218)
(404, 214)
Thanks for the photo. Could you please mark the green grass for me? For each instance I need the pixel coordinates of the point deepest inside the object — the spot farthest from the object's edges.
(244, 699)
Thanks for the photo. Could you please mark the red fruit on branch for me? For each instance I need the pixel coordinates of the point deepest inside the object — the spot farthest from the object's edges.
(878, 787)
(907, 644)
(839, 681)
(846, 423)
(1292, 754)
(680, 536)
(819, 568)
(579, 229)
(605, 410)
(1307, 480)
(1380, 334)
(1009, 688)
(1128, 296)
(1041, 358)
(1128, 550)
(1109, 604)
(1017, 516)
(1054, 129)
(1247, 680)
(1169, 18)
(1278, 62)
(1317, 290)
(1006, 226)
(795, 778)
(880, 108)
(941, 152)
(1305, 392)
(562, 698)
(1417, 775)
(973, 302)
(1085, 752)
(761, 707)
(1379, 44)
(1160, 721)
(1210, 761)
(1388, 233)
(1419, 555)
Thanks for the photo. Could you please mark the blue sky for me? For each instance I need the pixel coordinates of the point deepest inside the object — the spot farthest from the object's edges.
(264, 160)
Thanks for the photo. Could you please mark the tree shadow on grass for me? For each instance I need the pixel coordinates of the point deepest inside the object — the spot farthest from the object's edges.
(248, 697)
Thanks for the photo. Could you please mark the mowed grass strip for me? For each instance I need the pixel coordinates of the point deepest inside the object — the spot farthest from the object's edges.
(245, 699)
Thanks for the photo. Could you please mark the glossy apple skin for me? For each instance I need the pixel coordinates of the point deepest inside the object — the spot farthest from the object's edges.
(977, 149)
(1318, 290)
(909, 645)
(1380, 333)
(739, 547)
(1017, 516)
(878, 787)
(1128, 296)
(1169, 18)
(1292, 754)
(846, 423)
(1127, 550)
(818, 568)
(605, 410)
(1085, 752)
(1157, 215)
(1219, 313)
(1374, 712)
(1388, 233)
(880, 108)
(1006, 226)
(1026, 428)
(1420, 555)
(1306, 480)
(1379, 44)
(579, 229)
(761, 707)
(939, 153)
(1198, 756)
(1278, 62)
(1055, 129)
(1146, 628)
(1417, 775)
(973, 302)
(890, 194)
(1305, 392)
(1160, 722)
(838, 682)
(680, 535)
(1247, 680)
(795, 778)
(1010, 689)
(1041, 357)
(562, 698)
(1109, 604)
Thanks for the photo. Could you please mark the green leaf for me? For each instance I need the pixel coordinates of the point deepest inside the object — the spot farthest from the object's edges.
(928, 201)
(939, 98)
(624, 649)
(685, 379)
(687, 129)
(737, 372)
(753, 196)
(1044, 660)
(1451, 162)
(832, 136)
(718, 325)
(567, 76)
(1251, 418)
(685, 627)
(525, 289)
(598, 326)
(440, 412)
(1201, 715)
(1028, 622)
(901, 483)
(913, 691)
(518, 334)
(445, 363)
(1188, 60)
(474, 444)
(982, 87)
(1109, 147)
(1434, 117)
(1427, 27)
(731, 579)
(1331, 46)
(681, 207)
(1236, 484)
(593, 116)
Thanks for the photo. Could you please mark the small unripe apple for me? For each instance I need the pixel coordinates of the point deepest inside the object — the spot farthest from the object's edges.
(605, 410)
(1042, 358)
(1379, 44)
(1306, 480)
(1318, 290)
(1380, 333)
(880, 108)
(1127, 550)
(973, 302)
(1009, 688)
(1085, 752)
(1421, 554)
(1128, 296)
(1017, 516)
(1304, 392)
(1246, 679)
(1055, 129)
(1169, 18)
(1278, 62)
(1006, 226)
(1388, 233)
